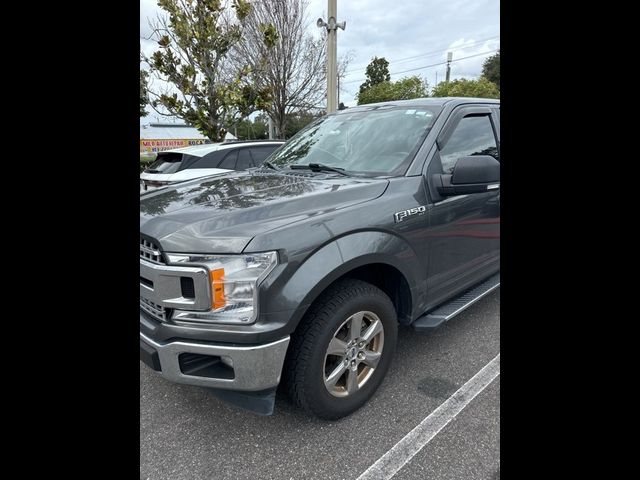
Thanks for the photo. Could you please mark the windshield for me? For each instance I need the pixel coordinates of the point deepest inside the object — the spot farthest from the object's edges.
(377, 141)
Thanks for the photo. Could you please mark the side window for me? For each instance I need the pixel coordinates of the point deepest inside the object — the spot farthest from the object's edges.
(210, 160)
(229, 161)
(260, 154)
(472, 136)
(244, 159)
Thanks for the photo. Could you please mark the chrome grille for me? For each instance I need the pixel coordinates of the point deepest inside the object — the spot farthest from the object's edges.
(158, 311)
(150, 252)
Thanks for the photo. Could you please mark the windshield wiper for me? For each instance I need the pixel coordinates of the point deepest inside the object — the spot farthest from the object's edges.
(270, 165)
(319, 167)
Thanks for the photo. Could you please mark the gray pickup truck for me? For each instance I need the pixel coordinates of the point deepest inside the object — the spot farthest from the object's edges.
(299, 272)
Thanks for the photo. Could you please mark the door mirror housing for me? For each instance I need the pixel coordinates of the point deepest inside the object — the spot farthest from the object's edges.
(474, 174)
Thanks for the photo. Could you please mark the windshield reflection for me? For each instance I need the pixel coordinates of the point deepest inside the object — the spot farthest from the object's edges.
(239, 190)
(377, 141)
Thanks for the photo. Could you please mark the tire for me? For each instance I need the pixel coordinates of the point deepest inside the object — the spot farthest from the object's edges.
(310, 369)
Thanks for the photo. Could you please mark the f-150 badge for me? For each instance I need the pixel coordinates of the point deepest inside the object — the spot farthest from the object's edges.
(400, 216)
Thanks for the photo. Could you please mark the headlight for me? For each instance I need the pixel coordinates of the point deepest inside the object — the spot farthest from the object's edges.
(234, 281)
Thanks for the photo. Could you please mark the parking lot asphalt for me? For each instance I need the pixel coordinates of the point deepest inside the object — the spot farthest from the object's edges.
(187, 433)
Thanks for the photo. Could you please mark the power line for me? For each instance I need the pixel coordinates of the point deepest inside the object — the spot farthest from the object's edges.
(432, 65)
(435, 52)
(443, 63)
(462, 47)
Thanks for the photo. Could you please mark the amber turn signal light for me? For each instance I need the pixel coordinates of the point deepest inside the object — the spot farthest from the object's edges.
(217, 287)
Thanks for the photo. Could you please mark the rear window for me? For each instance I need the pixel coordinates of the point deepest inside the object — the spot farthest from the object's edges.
(210, 160)
(169, 162)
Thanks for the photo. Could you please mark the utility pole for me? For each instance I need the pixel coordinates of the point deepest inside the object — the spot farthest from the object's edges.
(332, 53)
(271, 134)
(449, 58)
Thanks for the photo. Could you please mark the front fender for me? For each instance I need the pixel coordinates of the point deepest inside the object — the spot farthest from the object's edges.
(324, 266)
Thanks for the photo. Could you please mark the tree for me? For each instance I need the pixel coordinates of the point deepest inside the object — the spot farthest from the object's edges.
(144, 95)
(293, 71)
(248, 130)
(195, 39)
(481, 88)
(491, 69)
(377, 72)
(342, 65)
(298, 120)
(404, 89)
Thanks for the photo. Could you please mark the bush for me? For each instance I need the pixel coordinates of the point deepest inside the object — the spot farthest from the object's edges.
(481, 88)
(404, 89)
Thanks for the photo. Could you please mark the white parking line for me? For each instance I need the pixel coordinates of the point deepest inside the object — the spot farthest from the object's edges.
(403, 451)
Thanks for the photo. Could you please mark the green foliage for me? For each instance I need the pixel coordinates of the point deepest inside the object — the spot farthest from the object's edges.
(146, 159)
(259, 128)
(404, 89)
(144, 94)
(481, 88)
(293, 69)
(491, 69)
(379, 88)
(248, 130)
(377, 72)
(269, 33)
(243, 8)
(297, 121)
(194, 42)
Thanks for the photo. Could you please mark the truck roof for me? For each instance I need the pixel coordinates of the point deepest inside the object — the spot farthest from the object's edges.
(425, 102)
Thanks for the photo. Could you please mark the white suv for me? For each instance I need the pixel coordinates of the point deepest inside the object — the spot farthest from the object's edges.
(182, 164)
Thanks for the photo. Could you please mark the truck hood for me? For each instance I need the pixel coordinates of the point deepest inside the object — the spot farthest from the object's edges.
(222, 214)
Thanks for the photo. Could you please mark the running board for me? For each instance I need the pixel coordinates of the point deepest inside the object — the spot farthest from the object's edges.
(447, 311)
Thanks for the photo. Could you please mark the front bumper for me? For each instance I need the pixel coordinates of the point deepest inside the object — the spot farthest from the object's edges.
(248, 368)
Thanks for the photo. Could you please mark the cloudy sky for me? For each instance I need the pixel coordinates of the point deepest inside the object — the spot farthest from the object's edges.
(413, 35)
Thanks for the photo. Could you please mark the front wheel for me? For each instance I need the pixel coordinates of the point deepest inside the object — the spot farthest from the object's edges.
(342, 349)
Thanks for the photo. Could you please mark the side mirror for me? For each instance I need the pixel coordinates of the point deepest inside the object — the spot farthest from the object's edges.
(474, 174)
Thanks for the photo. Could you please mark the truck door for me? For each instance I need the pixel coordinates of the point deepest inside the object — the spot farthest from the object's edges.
(464, 232)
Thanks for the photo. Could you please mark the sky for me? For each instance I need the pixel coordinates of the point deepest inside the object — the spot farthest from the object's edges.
(410, 34)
